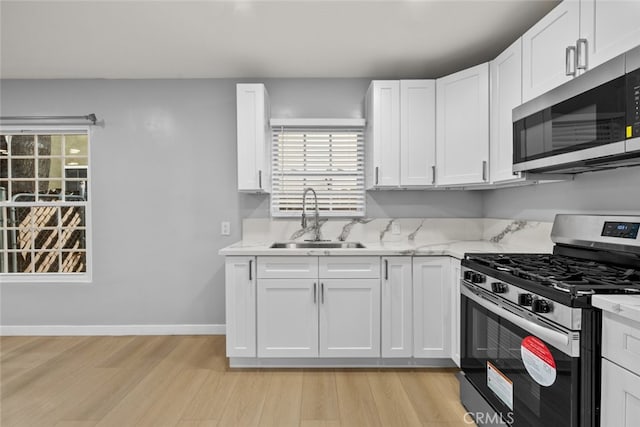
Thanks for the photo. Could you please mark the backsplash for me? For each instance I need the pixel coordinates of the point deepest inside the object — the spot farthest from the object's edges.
(415, 231)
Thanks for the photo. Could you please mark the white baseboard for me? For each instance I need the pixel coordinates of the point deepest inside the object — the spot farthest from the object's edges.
(88, 330)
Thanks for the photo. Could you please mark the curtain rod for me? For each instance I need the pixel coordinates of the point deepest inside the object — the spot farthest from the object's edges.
(91, 117)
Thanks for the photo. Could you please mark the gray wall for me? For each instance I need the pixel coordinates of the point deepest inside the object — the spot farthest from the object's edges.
(164, 177)
(605, 192)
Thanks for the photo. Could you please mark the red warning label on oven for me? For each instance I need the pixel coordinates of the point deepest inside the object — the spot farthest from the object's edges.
(538, 361)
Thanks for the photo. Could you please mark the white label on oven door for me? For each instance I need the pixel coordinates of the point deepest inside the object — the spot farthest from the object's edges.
(500, 385)
(538, 361)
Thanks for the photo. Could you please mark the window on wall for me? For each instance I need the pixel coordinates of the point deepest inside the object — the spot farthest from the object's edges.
(44, 204)
(329, 159)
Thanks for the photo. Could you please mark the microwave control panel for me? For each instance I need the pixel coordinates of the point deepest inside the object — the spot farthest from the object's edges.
(633, 104)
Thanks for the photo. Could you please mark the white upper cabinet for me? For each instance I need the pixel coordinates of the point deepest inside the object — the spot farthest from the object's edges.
(417, 132)
(400, 134)
(382, 136)
(607, 28)
(462, 128)
(574, 37)
(254, 138)
(506, 94)
(549, 51)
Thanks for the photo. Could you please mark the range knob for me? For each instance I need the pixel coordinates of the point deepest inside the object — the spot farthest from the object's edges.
(499, 287)
(468, 275)
(478, 278)
(541, 306)
(525, 299)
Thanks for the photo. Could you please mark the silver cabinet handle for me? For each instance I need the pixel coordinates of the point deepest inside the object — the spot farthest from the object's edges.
(322, 293)
(315, 299)
(386, 269)
(433, 171)
(250, 269)
(583, 54)
(570, 58)
(260, 179)
(376, 175)
(484, 170)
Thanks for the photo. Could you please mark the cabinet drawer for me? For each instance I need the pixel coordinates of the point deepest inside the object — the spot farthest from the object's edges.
(621, 341)
(290, 267)
(349, 267)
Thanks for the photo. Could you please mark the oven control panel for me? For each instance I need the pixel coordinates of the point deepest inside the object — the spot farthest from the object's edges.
(624, 230)
(526, 299)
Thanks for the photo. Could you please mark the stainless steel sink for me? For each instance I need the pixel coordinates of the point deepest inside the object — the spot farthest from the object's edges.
(317, 245)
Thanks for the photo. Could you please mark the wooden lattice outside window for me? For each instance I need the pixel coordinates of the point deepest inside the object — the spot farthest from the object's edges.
(44, 184)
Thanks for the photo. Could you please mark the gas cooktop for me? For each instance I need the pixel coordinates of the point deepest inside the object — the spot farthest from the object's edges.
(574, 276)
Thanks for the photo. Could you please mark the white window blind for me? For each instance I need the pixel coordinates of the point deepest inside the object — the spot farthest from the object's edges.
(329, 159)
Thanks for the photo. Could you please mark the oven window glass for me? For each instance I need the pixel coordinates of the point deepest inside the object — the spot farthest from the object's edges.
(593, 118)
(492, 349)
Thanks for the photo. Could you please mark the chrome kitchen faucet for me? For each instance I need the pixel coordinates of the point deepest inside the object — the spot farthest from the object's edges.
(316, 226)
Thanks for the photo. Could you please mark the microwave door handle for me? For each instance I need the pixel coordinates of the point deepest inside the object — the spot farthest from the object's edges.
(555, 338)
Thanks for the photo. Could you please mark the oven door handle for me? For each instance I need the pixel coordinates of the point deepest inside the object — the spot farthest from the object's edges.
(558, 339)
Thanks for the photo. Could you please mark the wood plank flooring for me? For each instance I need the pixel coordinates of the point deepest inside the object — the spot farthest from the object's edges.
(185, 381)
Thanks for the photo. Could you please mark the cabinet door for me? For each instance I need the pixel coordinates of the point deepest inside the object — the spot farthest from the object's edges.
(417, 132)
(455, 310)
(462, 131)
(610, 27)
(544, 59)
(396, 302)
(382, 136)
(620, 396)
(253, 138)
(287, 318)
(240, 304)
(506, 94)
(431, 307)
(349, 317)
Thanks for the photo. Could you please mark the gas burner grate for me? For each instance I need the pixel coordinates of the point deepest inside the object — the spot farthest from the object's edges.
(565, 274)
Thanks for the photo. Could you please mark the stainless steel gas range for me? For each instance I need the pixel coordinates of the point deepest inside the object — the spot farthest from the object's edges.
(530, 339)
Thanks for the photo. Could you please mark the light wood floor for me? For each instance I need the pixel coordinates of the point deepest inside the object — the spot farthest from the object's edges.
(185, 381)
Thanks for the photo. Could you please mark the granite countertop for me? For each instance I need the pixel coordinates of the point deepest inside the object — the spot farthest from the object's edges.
(627, 306)
(454, 248)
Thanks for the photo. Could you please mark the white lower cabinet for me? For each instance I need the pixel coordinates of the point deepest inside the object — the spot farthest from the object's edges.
(240, 304)
(455, 310)
(287, 318)
(620, 396)
(620, 405)
(397, 309)
(431, 307)
(308, 311)
(349, 317)
(298, 307)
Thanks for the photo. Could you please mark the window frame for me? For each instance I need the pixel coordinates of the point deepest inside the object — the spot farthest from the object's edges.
(317, 125)
(52, 277)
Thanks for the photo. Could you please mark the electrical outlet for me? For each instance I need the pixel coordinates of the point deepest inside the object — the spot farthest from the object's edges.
(395, 228)
(225, 228)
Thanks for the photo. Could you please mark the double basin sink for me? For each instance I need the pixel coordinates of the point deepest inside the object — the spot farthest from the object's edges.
(317, 245)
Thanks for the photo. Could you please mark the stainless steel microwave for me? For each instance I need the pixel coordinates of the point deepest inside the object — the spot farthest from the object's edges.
(591, 122)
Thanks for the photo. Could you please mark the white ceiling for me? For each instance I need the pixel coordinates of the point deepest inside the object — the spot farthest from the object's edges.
(261, 38)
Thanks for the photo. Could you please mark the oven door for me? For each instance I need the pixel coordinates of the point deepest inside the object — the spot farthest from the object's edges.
(527, 370)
